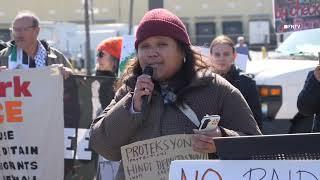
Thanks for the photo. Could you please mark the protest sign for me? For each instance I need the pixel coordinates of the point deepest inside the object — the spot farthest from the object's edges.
(31, 124)
(83, 99)
(127, 52)
(242, 61)
(150, 159)
(29, 118)
(245, 170)
(294, 15)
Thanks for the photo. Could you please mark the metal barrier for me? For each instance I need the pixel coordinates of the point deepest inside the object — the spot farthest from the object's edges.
(304, 146)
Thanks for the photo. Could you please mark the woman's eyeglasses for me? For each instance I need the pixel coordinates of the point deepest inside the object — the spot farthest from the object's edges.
(100, 54)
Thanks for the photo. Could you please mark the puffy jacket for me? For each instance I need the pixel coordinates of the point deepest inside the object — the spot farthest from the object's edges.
(117, 126)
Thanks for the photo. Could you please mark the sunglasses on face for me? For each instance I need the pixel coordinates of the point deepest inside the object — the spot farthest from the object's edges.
(100, 54)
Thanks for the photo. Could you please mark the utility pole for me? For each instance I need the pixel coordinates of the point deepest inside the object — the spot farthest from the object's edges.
(87, 31)
(153, 4)
(91, 12)
(130, 17)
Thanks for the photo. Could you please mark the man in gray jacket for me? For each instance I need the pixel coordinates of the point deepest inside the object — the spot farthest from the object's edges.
(26, 51)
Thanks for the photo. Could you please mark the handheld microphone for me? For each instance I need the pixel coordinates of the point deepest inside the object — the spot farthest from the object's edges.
(148, 70)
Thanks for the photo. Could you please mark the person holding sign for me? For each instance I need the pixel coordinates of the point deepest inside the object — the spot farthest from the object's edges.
(223, 55)
(167, 89)
(26, 51)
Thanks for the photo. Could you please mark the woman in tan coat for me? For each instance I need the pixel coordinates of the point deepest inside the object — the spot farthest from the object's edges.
(180, 78)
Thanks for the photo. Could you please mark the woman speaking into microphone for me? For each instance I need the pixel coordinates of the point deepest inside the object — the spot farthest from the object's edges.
(180, 77)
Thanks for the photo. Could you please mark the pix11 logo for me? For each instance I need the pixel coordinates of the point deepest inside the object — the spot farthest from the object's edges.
(292, 26)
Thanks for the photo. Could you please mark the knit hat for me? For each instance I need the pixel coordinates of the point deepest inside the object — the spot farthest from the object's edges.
(161, 22)
(112, 46)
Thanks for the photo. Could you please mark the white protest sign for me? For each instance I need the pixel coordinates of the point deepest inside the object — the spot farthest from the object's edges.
(150, 159)
(82, 149)
(244, 170)
(31, 124)
(241, 61)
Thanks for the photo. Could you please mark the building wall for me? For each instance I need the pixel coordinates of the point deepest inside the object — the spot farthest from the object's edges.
(72, 10)
(219, 12)
(192, 12)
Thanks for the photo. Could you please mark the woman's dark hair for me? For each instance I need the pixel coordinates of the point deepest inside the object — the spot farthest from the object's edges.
(194, 62)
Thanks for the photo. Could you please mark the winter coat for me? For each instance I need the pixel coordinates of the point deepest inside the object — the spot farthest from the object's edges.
(106, 92)
(53, 55)
(248, 89)
(206, 94)
(2, 45)
(309, 100)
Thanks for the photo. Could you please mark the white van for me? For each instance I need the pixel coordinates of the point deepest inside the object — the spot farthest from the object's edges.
(281, 77)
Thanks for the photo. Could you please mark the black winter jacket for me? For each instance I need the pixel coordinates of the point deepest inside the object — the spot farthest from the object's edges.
(106, 92)
(247, 86)
(309, 100)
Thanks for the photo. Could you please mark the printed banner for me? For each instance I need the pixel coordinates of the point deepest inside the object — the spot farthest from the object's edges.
(150, 159)
(34, 108)
(294, 15)
(245, 170)
(31, 124)
(84, 98)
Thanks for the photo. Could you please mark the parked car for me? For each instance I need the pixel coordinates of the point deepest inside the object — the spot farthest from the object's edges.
(281, 77)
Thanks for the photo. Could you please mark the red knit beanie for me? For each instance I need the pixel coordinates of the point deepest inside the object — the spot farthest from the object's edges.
(161, 22)
(112, 46)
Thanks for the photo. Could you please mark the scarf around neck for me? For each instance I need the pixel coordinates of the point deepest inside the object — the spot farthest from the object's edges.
(171, 88)
(20, 60)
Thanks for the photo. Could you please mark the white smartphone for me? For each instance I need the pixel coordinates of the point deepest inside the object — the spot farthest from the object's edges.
(209, 122)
